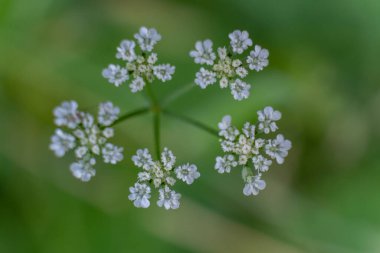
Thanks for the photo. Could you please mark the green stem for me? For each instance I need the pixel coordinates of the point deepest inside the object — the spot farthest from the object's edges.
(156, 129)
(155, 107)
(152, 97)
(177, 94)
(193, 122)
(130, 115)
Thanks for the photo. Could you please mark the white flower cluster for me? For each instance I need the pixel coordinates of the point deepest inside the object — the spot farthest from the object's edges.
(162, 175)
(255, 154)
(87, 137)
(140, 66)
(228, 65)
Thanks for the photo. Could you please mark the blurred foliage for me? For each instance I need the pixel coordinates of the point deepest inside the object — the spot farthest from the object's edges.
(323, 76)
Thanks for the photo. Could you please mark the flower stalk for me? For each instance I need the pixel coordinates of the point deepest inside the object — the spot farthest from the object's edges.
(192, 122)
(131, 114)
(156, 110)
(177, 94)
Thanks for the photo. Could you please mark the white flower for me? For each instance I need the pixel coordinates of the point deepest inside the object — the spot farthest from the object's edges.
(236, 63)
(95, 149)
(87, 121)
(225, 163)
(258, 58)
(140, 67)
(144, 176)
(240, 90)
(164, 72)
(223, 82)
(225, 123)
(240, 41)
(267, 119)
(253, 185)
(137, 84)
(66, 114)
(115, 74)
(230, 64)
(259, 143)
(108, 132)
(226, 130)
(168, 159)
(205, 78)
(278, 148)
(126, 50)
(203, 53)
(243, 159)
(88, 138)
(227, 146)
(81, 152)
(170, 180)
(241, 72)
(112, 154)
(140, 59)
(248, 149)
(79, 133)
(157, 182)
(244, 145)
(152, 58)
(147, 38)
(61, 142)
(249, 130)
(230, 133)
(222, 53)
(261, 163)
(140, 195)
(143, 159)
(187, 173)
(160, 175)
(83, 170)
(108, 113)
(168, 199)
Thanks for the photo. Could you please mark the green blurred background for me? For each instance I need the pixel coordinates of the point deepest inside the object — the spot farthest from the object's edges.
(323, 75)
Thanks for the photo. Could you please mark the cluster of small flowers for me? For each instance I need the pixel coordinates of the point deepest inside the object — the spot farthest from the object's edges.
(162, 175)
(228, 65)
(87, 137)
(139, 66)
(245, 149)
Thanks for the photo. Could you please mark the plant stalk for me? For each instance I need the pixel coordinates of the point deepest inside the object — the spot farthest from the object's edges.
(130, 115)
(155, 108)
(192, 122)
(177, 94)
